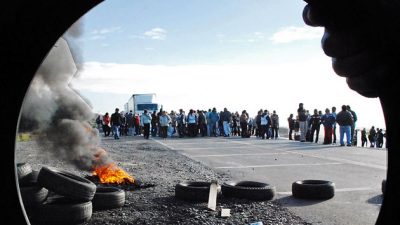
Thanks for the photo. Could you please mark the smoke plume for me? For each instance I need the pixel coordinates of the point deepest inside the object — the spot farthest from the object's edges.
(58, 114)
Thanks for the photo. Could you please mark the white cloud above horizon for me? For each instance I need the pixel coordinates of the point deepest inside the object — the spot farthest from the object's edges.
(156, 34)
(99, 34)
(291, 34)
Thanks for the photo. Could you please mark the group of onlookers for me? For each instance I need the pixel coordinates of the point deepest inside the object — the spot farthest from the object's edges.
(265, 125)
(196, 123)
(306, 126)
(374, 136)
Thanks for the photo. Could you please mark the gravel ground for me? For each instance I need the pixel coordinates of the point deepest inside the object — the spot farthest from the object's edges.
(159, 170)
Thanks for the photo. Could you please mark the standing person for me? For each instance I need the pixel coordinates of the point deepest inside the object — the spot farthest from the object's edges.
(106, 125)
(275, 125)
(116, 121)
(315, 122)
(250, 126)
(264, 124)
(123, 127)
(181, 123)
(129, 122)
(165, 120)
(243, 120)
(174, 122)
(99, 122)
(372, 137)
(379, 138)
(192, 123)
(226, 118)
(214, 119)
(328, 120)
(291, 124)
(145, 120)
(258, 123)
(353, 127)
(154, 124)
(208, 122)
(364, 140)
(345, 121)
(136, 123)
(334, 125)
(202, 123)
(301, 112)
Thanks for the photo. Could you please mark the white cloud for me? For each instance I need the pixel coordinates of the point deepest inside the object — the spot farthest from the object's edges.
(290, 34)
(156, 33)
(100, 34)
(106, 30)
(97, 37)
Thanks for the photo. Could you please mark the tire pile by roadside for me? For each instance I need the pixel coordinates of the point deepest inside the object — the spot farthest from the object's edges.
(54, 196)
(163, 169)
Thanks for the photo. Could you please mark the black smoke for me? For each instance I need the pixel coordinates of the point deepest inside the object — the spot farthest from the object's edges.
(57, 113)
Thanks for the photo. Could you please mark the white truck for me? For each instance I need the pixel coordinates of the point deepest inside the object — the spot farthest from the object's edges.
(139, 102)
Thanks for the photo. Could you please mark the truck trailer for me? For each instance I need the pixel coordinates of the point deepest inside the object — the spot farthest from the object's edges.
(139, 102)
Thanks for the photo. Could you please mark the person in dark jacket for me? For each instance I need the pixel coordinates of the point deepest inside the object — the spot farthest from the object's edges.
(353, 127)
(372, 137)
(301, 113)
(291, 123)
(364, 140)
(315, 123)
(345, 121)
(116, 122)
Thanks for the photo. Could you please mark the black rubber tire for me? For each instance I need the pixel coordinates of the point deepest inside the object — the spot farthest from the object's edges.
(194, 191)
(23, 169)
(62, 211)
(313, 189)
(33, 196)
(251, 190)
(31, 193)
(108, 198)
(67, 184)
(383, 186)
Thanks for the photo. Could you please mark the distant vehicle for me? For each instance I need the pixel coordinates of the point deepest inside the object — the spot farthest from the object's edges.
(139, 102)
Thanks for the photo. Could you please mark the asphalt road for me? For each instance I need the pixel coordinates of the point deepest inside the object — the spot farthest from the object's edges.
(357, 172)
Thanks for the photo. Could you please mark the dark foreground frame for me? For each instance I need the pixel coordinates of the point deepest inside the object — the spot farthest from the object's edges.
(30, 29)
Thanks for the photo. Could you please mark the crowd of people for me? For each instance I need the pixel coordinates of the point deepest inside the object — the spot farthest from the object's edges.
(304, 127)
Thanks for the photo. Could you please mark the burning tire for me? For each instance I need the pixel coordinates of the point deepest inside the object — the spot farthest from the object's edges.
(249, 190)
(108, 198)
(23, 169)
(313, 189)
(194, 191)
(67, 184)
(62, 210)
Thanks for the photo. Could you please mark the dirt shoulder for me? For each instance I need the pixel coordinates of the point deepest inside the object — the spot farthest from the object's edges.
(159, 170)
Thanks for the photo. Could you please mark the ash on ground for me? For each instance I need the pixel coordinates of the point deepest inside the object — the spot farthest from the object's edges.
(161, 169)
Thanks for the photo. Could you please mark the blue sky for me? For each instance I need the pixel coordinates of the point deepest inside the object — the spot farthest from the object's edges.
(187, 32)
(201, 53)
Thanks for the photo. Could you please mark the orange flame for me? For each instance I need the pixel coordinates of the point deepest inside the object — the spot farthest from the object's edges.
(112, 174)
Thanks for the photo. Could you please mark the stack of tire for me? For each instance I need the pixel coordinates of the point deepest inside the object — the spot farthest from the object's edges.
(60, 197)
(32, 194)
